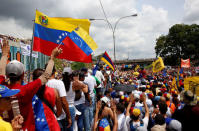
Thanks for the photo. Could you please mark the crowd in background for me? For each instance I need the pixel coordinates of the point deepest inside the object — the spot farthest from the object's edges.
(83, 100)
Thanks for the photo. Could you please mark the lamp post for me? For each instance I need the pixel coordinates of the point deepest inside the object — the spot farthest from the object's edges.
(114, 28)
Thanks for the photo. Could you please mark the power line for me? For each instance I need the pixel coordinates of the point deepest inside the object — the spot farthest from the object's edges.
(110, 26)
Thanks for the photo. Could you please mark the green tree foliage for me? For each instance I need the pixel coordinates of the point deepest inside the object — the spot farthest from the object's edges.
(77, 65)
(182, 41)
(59, 64)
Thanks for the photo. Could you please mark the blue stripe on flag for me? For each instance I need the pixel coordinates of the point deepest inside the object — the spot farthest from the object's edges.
(106, 57)
(80, 43)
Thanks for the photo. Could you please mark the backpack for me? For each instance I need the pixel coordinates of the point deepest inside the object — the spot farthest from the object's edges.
(132, 128)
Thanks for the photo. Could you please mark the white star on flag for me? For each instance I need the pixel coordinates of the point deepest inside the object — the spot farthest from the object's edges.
(42, 120)
(60, 37)
(38, 119)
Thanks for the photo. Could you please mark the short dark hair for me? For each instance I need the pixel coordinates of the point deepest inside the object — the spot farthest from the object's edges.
(81, 75)
(101, 66)
(14, 78)
(159, 119)
(162, 107)
(120, 107)
(37, 73)
(84, 69)
(159, 94)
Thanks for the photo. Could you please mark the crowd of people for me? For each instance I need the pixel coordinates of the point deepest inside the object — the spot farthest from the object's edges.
(84, 100)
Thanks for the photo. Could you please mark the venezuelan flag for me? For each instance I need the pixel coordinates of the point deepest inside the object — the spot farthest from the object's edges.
(104, 125)
(71, 34)
(108, 60)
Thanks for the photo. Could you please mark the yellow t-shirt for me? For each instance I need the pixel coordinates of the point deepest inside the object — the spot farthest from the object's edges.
(5, 126)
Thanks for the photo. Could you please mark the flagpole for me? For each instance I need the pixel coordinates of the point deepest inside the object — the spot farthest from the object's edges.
(30, 60)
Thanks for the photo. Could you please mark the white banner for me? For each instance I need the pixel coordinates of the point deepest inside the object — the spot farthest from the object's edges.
(25, 50)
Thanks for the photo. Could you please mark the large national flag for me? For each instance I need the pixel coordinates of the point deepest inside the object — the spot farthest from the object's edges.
(158, 65)
(108, 60)
(72, 35)
(192, 84)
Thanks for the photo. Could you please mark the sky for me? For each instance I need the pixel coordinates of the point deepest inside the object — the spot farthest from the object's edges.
(135, 37)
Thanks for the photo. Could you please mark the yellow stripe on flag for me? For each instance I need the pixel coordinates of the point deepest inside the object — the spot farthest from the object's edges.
(89, 40)
(83, 23)
(54, 23)
(105, 61)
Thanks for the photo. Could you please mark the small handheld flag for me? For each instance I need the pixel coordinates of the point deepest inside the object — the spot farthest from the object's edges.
(105, 58)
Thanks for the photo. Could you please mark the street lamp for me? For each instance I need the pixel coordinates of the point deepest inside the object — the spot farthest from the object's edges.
(114, 28)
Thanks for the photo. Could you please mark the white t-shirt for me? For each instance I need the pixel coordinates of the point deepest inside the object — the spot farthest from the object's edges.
(59, 85)
(137, 124)
(91, 82)
(121, 122)
(100, 77)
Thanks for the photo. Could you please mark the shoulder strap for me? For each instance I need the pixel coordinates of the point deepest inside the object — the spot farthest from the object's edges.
(49, 105)
(40, 95)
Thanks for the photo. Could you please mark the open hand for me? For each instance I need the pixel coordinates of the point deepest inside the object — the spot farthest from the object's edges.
(5, 47)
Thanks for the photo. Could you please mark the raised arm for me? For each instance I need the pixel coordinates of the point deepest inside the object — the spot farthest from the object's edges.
(113, 107)
(129, 105)
(4, 58)
(46, 75)
(98, 106)
(145, 105)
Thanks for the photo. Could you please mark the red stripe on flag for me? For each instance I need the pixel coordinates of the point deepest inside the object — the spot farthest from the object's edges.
(70, 50)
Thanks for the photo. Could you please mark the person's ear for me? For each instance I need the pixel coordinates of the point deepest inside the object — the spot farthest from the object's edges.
(22, 76)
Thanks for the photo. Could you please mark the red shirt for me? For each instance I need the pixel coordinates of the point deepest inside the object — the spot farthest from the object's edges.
(25, 101)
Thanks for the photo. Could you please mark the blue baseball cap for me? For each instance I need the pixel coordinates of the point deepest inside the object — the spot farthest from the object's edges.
(6, 92)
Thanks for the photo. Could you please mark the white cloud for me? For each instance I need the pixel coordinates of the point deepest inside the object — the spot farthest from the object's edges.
(135, 35)
(11, 27)
(191, 11)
